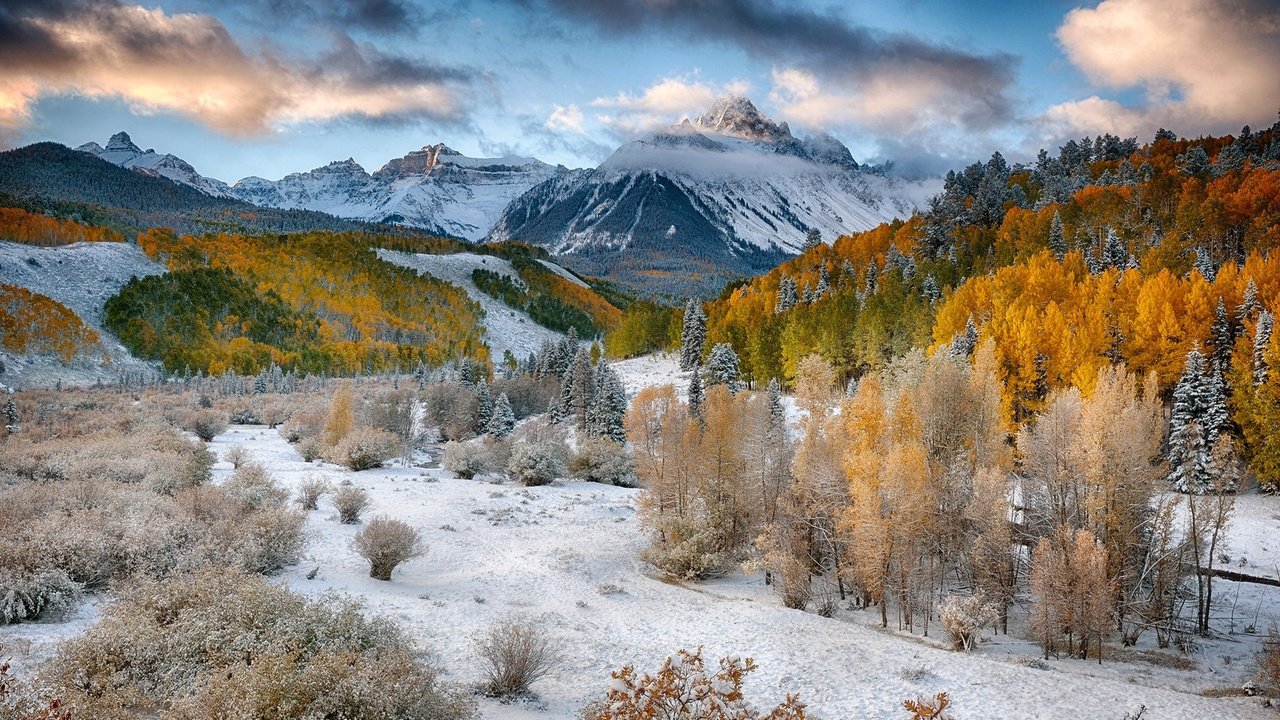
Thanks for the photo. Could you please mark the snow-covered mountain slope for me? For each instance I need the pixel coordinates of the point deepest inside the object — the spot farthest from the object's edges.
(505, 328)
(435, 188)
(82, 277)
(727, 194)
(121, 151)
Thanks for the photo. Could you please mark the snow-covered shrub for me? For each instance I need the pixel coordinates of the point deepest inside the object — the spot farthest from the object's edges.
(223, 530)
(310, 490)
(514, 653)
(245, 415)
(685, 688)
(221, 644)
(236, 455)
(305, 421)
(365, 448)
(475, 457)
(602, 460)
(535, 463)
(254, 486)
(686, 547)
(452, 408)
(27, 596)
(275, 412)
(350, 502)
(310, 448)
(392, 411)
(964, 617)
(205, 424)
(386, 543)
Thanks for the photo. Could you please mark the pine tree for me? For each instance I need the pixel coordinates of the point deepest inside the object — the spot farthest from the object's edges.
(723, 368)
(1204, 263)
(873, 280)
(966, 341)
(1199, 402)
(484, 413)
(260, 383)
(787, 297)
(930, 290)
(1189, 461)
(693, 336)
(1261, 339)
(609, 407)
(579, 381)
(1117, 255)
(813, 238)
(11, 414)
(466, 372)
(1247, 305)
(503, 421)
(1222, 338)
(777, 413)
(824, 282)
(697, 395)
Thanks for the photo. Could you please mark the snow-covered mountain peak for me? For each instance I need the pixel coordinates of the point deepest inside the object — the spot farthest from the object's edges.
(121, 142)
(737, 116)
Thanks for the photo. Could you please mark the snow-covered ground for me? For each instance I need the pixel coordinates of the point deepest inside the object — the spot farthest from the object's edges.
(565, 555)
(82, 276)
(505, 328)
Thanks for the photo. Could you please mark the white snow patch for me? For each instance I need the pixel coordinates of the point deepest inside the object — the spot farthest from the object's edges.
(505, 328)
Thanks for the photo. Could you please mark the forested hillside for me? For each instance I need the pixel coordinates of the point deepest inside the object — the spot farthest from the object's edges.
(1158, 256)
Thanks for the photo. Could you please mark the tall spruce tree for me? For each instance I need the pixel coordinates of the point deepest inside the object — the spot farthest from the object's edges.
(787, 297)
(503, 421)
(1261, 339)
(693, 335)
(723, 368)
(1222, 338)
(1199, 402)
(697, 395)
(10, 414)
(580, 382)
(484, 401)
(609, 406)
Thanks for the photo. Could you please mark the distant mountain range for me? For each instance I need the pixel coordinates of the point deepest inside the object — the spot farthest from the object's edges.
(728, 194)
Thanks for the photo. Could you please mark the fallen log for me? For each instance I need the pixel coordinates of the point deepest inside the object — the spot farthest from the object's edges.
(1234, 576)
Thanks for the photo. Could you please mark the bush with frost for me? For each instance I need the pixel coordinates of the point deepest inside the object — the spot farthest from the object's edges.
(602, 460)
(514, 653)
(365, 448)
(311, 489)
(205, 424)
(27, 596)
(965, 616)
(253, 485)
(351, 502)
(386, 543)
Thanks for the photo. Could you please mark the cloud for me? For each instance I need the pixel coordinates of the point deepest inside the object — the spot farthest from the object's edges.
(566, 118)
(189, 64)
(666, 101)
(874, 74)
(1202, 65)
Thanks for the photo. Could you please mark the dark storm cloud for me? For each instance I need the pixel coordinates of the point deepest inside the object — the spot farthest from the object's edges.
(824, 43)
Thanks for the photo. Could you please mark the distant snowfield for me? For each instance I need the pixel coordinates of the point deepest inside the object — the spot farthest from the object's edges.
(504, 327)
(82, 276)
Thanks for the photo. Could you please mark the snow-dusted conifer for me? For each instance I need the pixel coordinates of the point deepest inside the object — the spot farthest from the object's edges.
(1204, 264)
(787, 297)
(1117, 254)
(484, 411)
(723, 368)
(930, 289)
(1222, 338)
(1261, 339)
(503, 421)
(1248, 305)
(966, 341)
(1190, 464)
(873, 280)
(693, 336)
(609, 406)
(466, 372)
(697, 394)
(10, 414)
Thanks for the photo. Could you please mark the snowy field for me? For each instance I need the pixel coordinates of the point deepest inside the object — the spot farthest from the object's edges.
(82, 276)
(505, 328)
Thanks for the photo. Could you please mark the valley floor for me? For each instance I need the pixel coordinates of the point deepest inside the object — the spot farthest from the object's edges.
(565, 555)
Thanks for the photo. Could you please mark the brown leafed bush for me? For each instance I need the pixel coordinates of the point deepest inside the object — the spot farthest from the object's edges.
(514, 653)
(311, 489)
(684, 688)
(236, 455)
(205, 424)
(386, 543)
(350, 502)
(253, 485)
(365, 448)
(222, 644)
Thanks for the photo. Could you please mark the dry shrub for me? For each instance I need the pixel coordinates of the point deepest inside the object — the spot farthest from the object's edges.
(684, 688)
(687, 548)
(205, 424)
(310, 448)
(476, 457)
(929, 708)
(254, 486)
(350, 502)
(305, 421)
(528, 395)
(1269, 661)
(392, 411)
(386, 543)
(236, 455)
(365, 448)
(222, 644)
(602, 460)
(514, 653)
(311, 489)
(158, 458)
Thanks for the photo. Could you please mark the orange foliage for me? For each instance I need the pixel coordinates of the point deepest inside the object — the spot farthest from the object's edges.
(17, 225)
(34, 323)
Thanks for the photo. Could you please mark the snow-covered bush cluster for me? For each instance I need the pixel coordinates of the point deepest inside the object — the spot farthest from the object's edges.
(602, 460)
(284, 656)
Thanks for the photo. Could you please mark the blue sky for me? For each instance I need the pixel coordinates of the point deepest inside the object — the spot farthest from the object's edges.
(245, 87)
